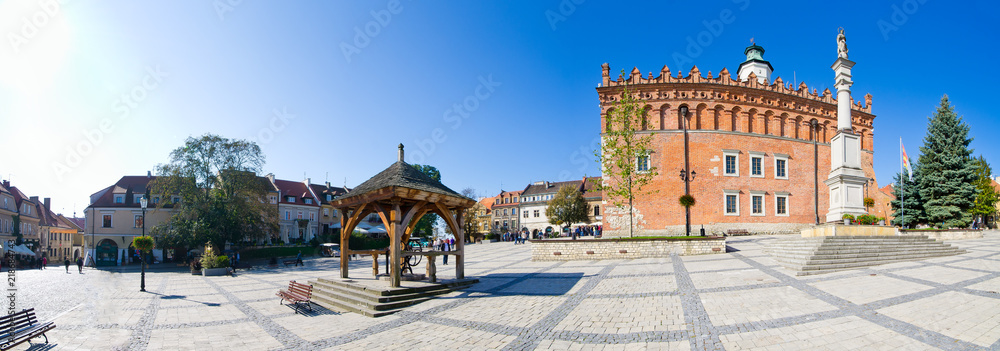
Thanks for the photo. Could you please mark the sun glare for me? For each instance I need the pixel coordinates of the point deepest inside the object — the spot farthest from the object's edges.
(36, 42)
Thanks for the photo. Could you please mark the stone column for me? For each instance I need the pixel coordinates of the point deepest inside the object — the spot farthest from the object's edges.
(846, 179)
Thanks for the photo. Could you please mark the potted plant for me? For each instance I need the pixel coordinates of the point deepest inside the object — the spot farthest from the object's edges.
(881, 221)
(213, 265)
(848, 218)
(868, 202)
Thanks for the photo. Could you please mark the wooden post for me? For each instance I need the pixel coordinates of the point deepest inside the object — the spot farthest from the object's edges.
(375, 265)
(396, 236)
(459, 246)
(345, 251)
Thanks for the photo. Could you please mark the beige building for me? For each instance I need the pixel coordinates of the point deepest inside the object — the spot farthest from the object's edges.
(29, 218)
(115, 217)
(329, 217)
(8, 209)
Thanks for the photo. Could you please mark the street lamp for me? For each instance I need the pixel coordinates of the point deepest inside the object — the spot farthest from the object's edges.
(687, 175)
(142, 255)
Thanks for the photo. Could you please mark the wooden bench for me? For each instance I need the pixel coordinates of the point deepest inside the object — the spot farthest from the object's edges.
(289, 262)
(737, 232)
(297, 293)
(20, 327)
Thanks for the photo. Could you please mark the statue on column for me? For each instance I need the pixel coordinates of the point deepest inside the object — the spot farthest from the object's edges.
(841, 45)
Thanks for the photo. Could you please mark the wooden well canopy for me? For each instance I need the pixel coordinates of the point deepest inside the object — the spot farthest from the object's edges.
(401, 195)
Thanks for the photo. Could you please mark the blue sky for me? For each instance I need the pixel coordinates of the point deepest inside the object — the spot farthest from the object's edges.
(93, 90)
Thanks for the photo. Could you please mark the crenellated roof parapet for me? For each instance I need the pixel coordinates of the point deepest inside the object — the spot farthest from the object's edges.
(725, 79)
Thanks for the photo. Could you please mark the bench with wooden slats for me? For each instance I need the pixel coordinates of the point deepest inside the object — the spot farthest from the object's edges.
(297, 293)
(20, 327)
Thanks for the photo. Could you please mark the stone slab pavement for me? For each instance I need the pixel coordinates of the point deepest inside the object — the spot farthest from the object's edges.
(733, 301)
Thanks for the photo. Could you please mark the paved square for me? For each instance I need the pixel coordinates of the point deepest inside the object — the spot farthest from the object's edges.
(732, 301)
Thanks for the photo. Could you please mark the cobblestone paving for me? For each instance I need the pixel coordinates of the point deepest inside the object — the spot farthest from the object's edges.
(733, 301)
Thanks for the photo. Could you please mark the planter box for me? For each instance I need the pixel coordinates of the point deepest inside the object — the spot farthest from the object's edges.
(212, 272)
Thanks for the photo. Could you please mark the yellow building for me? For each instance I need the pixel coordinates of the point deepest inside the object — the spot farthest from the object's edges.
(115, 217)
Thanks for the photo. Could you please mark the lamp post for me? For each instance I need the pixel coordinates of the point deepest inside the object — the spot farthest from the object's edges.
(686, 174)
(142, 255)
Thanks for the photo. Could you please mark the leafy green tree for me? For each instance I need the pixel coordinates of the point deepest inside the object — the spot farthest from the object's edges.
(624, 155)
(222, 197)
(473, 223)
(907, 190)
(567, 207)
(425, 226)
(947, 185)
(985, 204)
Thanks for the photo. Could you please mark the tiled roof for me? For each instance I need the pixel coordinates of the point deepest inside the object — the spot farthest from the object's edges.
(297, 189)
(20, 199)
(78, 222)
(401, 174)
(590, 190)
(129, 185)
(488, 202)
(322, 190)
(547, 187)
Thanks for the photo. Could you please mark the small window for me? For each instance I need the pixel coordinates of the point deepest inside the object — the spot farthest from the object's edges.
(288, 215)
(119, 199)
(513, 212)
(505, 212)
(138, 221)
(136, 198)
(732, 161)
(597, 210)
(731, 199)
(335, 212)
(780, 166)
(536, 213)
(176, 199)
(289, 199)
(156, 200)
(274, 199)
(525, 215)
(756, 164)
(642, 163)
(781, 204)
(107, 221)
(329, 197)
(308, 201)
(757, 204)
(299, 216)
(326, 212)
(312, 216)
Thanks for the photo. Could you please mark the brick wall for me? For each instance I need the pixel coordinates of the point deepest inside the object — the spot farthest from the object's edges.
(574, 250)
(657, 211)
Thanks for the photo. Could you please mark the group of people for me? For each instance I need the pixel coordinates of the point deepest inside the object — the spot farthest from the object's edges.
(517, 238)
(444, 245)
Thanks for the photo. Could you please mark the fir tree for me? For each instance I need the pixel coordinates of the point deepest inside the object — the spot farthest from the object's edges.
(906, 190)
(947, 185)
(984, 206)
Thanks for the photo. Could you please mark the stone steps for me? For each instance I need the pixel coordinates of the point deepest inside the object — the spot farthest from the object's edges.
(377, 302)
(808, 256)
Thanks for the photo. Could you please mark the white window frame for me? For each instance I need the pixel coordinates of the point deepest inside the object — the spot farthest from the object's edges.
(308, 201)
(759, 156)
(288, 215)
(312, 216)
(175, 199)
(639, 163)
(736, 164)
(274, 199)
(119, 198)
(135, 219)
(781, 157)
(290, 199)
(784, 195)
(326, 212)
(536, 213)
(763, 203)
(725, 205)
(111, 221)
(136, 198)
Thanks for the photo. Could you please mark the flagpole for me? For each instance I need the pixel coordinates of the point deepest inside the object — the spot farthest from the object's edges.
(902, 188)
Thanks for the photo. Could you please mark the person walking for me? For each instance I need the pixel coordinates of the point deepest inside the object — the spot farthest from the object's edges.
(66, 261)
(79, 264)
(45, 261)
(298, 259)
